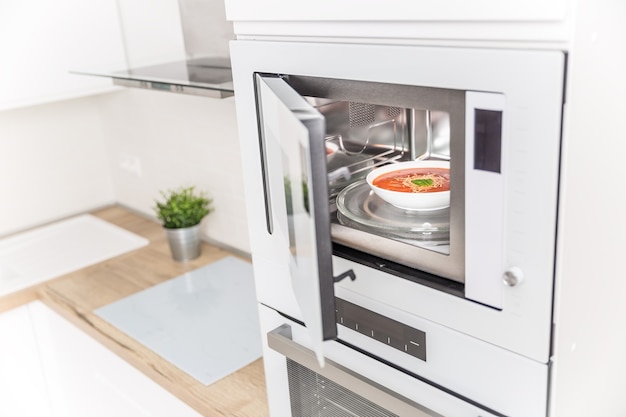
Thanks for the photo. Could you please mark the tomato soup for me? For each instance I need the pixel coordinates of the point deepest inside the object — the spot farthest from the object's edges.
(415, 180)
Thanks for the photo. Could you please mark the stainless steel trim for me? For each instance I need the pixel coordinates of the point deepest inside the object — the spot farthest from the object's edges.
(281, 341)
(206, 32)
(429, 153)
(412, 133)
(267, 201)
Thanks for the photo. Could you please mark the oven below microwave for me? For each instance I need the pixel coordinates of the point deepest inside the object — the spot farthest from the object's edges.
(356, 381)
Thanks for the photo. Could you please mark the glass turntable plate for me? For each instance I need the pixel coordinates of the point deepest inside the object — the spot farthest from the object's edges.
(359, 207)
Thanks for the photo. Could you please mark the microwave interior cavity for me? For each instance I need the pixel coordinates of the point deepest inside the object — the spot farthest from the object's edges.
(371, 125)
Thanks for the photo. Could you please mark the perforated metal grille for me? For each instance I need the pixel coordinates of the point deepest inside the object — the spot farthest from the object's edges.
(361, 114)
(393, 112)
(312, 395)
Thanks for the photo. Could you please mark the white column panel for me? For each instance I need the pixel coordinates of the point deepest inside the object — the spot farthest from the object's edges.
(589, 370)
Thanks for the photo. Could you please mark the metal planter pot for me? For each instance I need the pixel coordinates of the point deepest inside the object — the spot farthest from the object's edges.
(184, 243)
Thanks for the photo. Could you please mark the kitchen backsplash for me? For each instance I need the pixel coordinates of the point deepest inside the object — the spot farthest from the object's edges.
(64, 158)
(158, 141)
(53, 163)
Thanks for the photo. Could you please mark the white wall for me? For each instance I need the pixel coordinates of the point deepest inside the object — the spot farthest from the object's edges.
(64, 158)
(52, 163)
(52, 159)
(178, 140)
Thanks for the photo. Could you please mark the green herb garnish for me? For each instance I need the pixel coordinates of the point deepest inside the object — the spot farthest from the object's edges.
(423, 182)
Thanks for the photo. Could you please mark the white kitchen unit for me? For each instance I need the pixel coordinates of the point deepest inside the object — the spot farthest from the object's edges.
(50, 368)
(86, 379)
(23, 389)
(507, 302)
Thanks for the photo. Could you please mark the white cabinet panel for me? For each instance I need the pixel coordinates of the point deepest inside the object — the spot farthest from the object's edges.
(400, 10)
(86, 379)
(41, 41)
(22, 388)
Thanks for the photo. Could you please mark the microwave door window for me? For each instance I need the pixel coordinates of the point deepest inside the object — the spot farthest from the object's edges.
(298, 132)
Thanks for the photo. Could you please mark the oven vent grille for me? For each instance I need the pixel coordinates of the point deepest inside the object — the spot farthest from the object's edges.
(393, 112)
(313, 395)
(361, 114)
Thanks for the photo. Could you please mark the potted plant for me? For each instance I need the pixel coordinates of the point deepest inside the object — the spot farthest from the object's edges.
(181, 213)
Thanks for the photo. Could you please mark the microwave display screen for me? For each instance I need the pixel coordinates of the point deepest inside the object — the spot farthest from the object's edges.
(487, 140)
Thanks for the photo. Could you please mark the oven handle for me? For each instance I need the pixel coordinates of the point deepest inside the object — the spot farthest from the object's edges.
(280, 340)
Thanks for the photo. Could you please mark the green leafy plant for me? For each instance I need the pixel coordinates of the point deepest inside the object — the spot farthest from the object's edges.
(183, 207)
(423, 182)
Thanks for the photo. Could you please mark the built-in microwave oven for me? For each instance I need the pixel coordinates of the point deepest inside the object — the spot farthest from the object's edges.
(471, 281)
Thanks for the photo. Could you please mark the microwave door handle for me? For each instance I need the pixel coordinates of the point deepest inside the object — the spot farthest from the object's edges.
(348, 274)
(280, 340)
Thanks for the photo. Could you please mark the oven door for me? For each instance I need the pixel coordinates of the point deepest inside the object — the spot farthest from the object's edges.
(350, 384)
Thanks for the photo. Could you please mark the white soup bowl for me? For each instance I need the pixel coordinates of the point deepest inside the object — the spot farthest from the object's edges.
(433, 200)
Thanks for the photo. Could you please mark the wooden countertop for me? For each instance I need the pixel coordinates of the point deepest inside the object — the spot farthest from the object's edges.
(76, 295)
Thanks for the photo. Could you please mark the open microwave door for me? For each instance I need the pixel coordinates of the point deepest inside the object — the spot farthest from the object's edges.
(289, 125)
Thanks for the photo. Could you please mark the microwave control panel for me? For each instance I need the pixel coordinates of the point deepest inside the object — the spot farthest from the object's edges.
(383, 329)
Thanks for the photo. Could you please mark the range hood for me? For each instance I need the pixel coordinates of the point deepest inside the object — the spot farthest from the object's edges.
(208, 77)
(206, 70)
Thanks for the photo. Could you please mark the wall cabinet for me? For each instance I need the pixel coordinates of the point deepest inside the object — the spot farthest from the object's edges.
(406, 21)
(53, 369)
(41, 41)
(402, 10)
